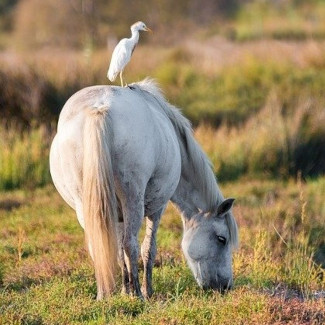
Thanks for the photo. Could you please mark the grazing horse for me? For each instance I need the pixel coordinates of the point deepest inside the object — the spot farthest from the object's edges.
(119, 156)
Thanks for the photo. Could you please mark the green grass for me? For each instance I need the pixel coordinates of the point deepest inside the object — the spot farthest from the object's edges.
(46, 276)
(272, 143)
(24, 157)
(256, 119)
(257, 99)
(286, 20)
(35, 91)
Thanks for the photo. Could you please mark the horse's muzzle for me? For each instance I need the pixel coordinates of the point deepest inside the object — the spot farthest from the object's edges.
(221, 286)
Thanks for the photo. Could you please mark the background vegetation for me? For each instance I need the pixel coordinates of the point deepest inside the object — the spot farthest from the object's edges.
(249, 74)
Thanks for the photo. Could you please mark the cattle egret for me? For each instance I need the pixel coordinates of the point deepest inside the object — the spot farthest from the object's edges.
(123, 51)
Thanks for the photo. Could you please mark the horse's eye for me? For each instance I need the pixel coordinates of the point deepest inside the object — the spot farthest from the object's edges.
(222, 240)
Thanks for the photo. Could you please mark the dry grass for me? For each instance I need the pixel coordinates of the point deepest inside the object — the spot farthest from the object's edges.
(247, 99)
(275, 283)
(258, 104)
(270, 143)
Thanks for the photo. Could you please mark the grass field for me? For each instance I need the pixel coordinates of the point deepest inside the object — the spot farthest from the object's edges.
(46, 276)
(253, 86)
(235, 94)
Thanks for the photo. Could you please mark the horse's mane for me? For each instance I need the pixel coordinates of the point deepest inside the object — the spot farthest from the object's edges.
(200, 166)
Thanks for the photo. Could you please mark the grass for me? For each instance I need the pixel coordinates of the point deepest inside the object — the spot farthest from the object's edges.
(296, 146)
(271, 143)
(24, 157)
(236, 107)
(257, 104)
(287, 20)
(46, 276)
(210, 91)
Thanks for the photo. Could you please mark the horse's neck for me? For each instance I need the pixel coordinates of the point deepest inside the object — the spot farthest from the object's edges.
(197, 189)
(190, 200)
(187, 199)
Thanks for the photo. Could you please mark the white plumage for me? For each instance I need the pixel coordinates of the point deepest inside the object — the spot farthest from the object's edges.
(123, 51)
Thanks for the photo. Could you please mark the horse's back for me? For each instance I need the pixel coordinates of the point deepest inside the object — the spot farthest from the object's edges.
(144, 147)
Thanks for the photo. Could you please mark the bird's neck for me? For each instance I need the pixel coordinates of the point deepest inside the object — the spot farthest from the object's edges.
(135, 36)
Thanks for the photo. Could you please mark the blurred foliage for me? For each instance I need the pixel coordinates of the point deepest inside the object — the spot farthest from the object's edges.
(264, 106)
(24, 96)
(24, 158)
(53, 22)
(78, 23)
(255, 119)
(6, 15)
(270, 144)
(281, 20)
(88, 23)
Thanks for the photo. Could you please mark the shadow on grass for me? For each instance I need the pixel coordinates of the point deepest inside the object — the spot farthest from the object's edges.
(10, 204)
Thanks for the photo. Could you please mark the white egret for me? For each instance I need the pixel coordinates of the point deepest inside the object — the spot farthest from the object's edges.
(123, 51)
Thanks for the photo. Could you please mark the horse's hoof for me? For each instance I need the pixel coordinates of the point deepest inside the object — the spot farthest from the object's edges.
(125, 291)
(137, 295)
(99, 297)
(147, 293)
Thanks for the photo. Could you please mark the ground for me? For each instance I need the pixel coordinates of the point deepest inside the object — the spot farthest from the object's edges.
(46, 276)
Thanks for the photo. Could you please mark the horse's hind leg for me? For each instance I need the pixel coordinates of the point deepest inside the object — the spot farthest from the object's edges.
(148, 251)
(133, 215)
(124, 270)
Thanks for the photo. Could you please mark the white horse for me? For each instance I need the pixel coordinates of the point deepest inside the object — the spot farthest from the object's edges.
(119, 155)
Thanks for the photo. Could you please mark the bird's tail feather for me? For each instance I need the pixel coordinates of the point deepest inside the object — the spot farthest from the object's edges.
(111, 75)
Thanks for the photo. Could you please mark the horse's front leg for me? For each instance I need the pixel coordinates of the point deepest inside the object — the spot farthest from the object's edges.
(148, 252)
(133, 216)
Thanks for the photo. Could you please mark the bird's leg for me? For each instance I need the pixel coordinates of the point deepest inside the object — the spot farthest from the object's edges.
(121, 78)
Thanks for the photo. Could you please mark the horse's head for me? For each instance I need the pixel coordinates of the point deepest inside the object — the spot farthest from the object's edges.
(207, 246)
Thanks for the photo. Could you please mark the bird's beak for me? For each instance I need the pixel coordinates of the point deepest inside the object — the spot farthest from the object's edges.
(149, 30)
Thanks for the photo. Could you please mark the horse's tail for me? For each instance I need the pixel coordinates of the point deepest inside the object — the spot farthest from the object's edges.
(99, 199)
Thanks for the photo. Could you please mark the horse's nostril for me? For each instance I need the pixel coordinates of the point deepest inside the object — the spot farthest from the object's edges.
(221, 286)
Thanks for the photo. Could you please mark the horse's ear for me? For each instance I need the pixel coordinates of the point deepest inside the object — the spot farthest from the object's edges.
(224, 207)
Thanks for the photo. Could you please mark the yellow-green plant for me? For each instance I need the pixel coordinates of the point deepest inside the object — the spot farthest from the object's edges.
(24, 158)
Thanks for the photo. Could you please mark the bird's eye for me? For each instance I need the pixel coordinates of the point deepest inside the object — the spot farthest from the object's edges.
(222, 240)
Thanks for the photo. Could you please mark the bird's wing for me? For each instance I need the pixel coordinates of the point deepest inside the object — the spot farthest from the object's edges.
(120, 57)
